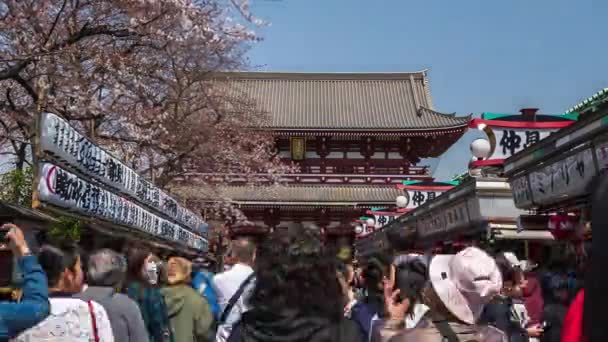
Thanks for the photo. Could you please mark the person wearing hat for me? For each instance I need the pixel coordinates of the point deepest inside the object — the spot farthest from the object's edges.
(460, 286)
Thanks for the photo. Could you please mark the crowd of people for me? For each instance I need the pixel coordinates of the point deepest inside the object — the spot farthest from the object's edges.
(289, 288)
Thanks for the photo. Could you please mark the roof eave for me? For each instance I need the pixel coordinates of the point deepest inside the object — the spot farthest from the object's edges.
(274, 75)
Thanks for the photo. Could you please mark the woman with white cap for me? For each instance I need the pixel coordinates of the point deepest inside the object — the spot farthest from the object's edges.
(460, 285)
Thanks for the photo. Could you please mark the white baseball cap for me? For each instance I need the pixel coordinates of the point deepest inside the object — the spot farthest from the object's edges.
(524, 265)
(465, 282)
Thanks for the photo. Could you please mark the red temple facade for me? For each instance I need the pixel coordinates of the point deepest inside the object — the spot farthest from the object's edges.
(354, 136)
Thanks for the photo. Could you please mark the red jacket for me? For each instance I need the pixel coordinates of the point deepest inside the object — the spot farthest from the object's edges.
(533, 299)
(572, 330)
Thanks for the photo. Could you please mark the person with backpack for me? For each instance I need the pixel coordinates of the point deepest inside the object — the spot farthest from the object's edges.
(202, 282)
(233, 286)
(459, 288)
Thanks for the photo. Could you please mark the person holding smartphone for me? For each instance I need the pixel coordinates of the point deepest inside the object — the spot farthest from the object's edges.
(34, 305)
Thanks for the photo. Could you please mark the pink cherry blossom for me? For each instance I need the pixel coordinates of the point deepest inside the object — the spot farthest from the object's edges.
(136, 77)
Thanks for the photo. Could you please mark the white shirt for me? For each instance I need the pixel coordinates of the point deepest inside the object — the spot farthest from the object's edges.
(70, 320)
(226, 284)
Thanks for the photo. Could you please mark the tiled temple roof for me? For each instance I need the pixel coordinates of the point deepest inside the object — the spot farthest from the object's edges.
(342, 101)
(302, 194)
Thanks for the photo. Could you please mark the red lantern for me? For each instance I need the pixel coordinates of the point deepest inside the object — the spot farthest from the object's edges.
(562, 226)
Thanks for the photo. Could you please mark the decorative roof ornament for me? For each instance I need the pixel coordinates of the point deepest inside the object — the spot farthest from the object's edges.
(592, 101)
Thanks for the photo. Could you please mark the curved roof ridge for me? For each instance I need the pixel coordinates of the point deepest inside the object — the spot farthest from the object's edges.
(449, 115)
(298, 75)
(585, 102)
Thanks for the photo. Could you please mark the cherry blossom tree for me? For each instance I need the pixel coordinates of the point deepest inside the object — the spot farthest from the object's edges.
(137, 76)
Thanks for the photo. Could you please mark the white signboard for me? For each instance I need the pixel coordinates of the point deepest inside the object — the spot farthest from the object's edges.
(67, 145)
(521, 192)
(383, 220)
(510, 141)
(366, 230)
(420, 197)
(66, 190)
(565, 177)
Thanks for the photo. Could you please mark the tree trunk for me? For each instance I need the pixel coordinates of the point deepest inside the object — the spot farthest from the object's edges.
(20, 156)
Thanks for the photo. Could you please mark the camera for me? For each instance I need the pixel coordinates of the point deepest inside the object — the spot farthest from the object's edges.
(6, 258)
(3, 239)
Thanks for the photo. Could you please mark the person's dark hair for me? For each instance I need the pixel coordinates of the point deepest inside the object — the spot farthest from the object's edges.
(54, 261)
(135, 263)
(400, 240)
(373, 274)
(385, 259)
(410, 279)
(243, 249)
(295, 271)
(508, 272)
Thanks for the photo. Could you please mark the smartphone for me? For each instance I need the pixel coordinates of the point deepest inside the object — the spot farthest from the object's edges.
(3, 239)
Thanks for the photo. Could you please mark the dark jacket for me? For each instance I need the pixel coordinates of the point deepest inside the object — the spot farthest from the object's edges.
(34, 305)
(153, 310)
(124, 314)
(363, 312)
(260, 325)
(554, 315)
(533, 299)
(499, 313)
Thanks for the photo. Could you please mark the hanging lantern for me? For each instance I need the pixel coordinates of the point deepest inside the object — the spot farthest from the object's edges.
(562, 226)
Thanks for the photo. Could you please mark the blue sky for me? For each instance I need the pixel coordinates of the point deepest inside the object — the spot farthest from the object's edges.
(482, 56)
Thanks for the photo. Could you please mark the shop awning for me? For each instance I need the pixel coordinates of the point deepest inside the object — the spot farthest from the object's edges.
(558, 170)
(502, 231)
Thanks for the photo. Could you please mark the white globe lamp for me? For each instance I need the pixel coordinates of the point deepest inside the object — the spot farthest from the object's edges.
(370, 222)
(401, 201)
(480, 148)
(358, 229)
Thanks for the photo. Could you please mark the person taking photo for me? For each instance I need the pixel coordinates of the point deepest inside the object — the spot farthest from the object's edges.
(34, 304)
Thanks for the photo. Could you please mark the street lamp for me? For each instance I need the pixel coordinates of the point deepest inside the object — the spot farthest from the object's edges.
(401, 201)
(358, 229)
(480, 148)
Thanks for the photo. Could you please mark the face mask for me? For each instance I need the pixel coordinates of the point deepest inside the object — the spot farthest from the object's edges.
(151, 272)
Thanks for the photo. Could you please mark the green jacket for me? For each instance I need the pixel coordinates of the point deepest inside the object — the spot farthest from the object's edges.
(189, 312)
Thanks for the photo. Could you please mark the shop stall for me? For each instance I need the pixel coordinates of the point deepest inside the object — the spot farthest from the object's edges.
(555, 178)
(478, 210)
(118, 207)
